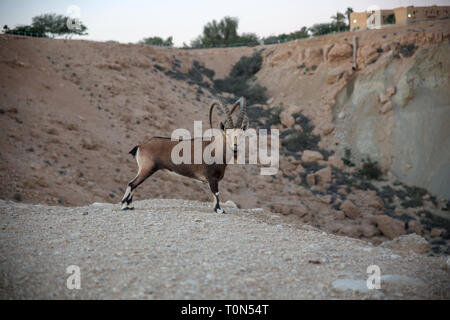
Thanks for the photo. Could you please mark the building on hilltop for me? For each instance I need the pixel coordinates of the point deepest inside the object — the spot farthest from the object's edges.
(378, 18)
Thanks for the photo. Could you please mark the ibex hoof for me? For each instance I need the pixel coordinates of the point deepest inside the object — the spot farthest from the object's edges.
(218, 210)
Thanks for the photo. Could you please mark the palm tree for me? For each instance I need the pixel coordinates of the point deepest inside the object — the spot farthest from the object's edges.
(347, 13)
(338, 20)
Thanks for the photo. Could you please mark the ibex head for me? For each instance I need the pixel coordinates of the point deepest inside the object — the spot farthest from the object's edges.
(228, 126)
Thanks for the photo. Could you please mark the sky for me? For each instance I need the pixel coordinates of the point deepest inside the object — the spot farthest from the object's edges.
(132, 20)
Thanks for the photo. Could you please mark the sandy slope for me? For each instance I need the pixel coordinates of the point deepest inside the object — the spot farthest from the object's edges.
(176, 249)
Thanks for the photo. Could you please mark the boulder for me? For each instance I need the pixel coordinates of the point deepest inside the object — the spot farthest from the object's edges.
(435, 232)
(415, 226)
(386, 107)
(335, 162)
(369, 230)
(286, 119)
(323, 176)
(329, 128)
(383, 98)
(288, 209)
(391, 228)
(311, 156)
(340, 52)
(391, 91)
(349, 209)
(311, 179)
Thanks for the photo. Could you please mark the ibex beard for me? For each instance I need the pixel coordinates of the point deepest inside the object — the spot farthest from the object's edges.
(156, 154)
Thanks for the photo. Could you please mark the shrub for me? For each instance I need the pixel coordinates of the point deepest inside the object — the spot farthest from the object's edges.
(347, 157)
(240, 81)
(370, 169)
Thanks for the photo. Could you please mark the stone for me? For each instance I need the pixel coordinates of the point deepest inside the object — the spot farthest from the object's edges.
(311, 179)
(435, 232)
(350, 230)
(369, 230)
(329, 128)
(386, 107)
(286, 119)
(391, 228)
(415, 226)
(335, 162)
(383, 98)
(391, 91)
(406, 243)
(311, 156)
(323, 176)
(288, 209)
(350, 210)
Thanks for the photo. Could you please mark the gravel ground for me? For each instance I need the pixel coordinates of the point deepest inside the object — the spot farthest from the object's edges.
(176, 249)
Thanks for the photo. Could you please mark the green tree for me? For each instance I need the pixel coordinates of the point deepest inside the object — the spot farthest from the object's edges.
(157, 41)
(320, 29)
(339, 21)
(51, 24)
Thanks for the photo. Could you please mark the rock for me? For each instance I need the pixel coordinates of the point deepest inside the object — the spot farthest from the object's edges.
(323, 176)
(386, 107)
(340, 52)
(311, 156)
(390, 227)
(287, 209)
(350, 210)
(407, 243)
(335, 162)
(369, 230)
(230, 203)
(391, 91)
(329, 128)
(435, 232)
(350, 230)
(415, 226)
(311, 179)
(383, 98)
(286, 119)
(350, 284)
(335, 75)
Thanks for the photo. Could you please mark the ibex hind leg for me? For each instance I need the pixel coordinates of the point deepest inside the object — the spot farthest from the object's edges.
(131, 188)
(145, 171)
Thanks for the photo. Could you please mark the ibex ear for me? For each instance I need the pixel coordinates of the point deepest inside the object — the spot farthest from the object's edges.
(222, 126)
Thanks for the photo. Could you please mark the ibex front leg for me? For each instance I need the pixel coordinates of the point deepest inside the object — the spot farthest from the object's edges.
(214, 186)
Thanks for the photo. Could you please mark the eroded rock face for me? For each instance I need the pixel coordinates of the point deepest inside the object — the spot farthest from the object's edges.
(393, 115)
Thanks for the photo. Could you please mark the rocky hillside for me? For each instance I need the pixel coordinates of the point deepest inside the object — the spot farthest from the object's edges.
(71, 110)
(177, 249)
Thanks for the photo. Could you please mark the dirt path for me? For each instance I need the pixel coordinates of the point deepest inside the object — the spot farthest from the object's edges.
(176, 249)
